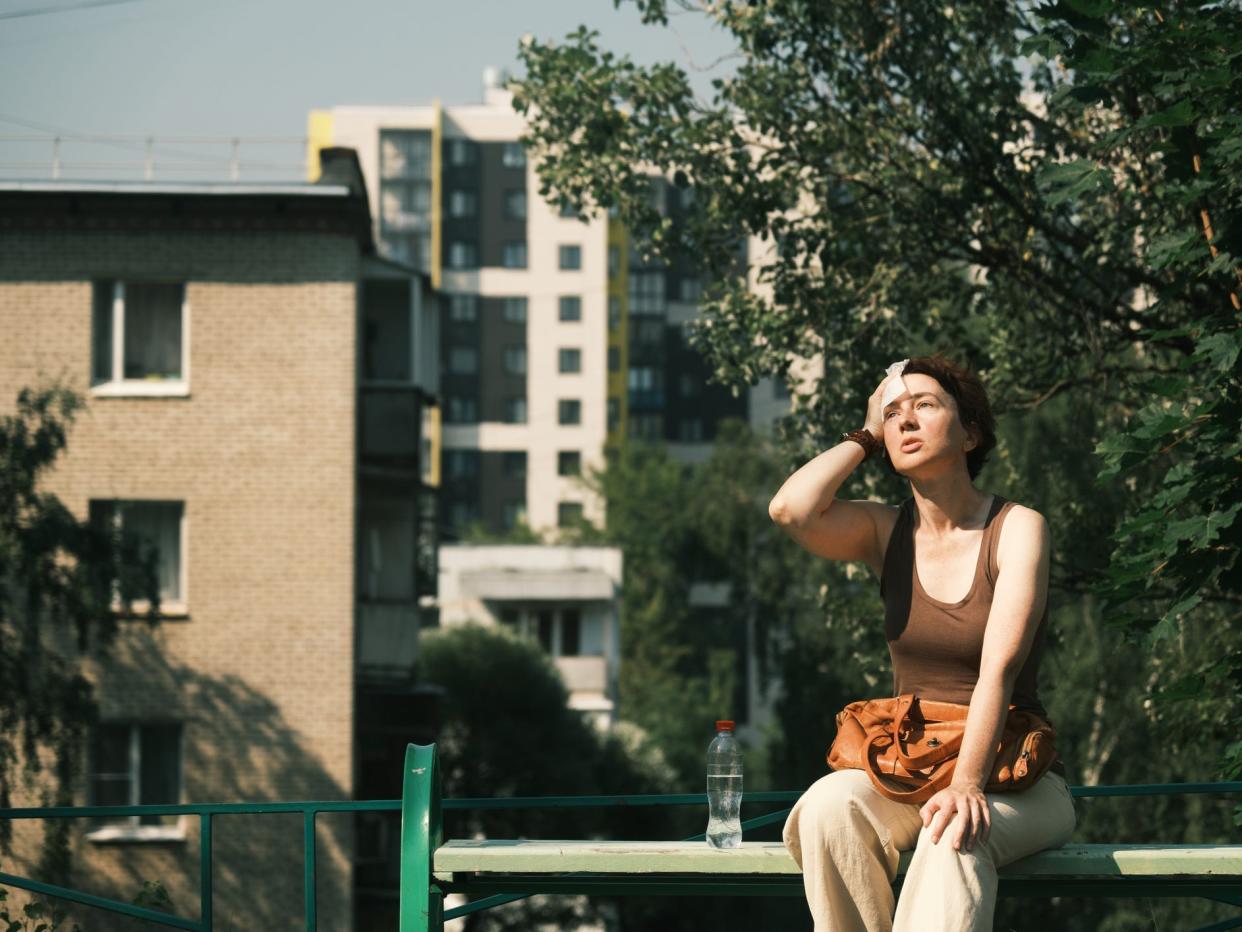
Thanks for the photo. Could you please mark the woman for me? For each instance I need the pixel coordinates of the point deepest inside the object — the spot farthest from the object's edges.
(964, 579)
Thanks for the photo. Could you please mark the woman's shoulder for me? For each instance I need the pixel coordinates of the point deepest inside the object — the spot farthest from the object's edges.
(1022, 529)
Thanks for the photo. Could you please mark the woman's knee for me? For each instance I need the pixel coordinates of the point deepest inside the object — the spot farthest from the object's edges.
(832, 803)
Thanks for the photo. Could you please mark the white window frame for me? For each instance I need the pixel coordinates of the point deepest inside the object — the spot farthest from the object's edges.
(172, 608)
(121, 387)
(130, 830)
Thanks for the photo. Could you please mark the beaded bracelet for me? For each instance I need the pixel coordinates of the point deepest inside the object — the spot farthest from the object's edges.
(865, 439)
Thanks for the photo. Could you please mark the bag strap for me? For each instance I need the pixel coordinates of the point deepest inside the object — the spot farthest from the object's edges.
(917, 795)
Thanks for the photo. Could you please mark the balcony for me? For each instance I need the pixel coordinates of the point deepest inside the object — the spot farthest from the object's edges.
(391, 425)
(387, 639)
(584, 674)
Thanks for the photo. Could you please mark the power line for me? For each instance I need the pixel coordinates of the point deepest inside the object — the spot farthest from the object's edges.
(63, 8)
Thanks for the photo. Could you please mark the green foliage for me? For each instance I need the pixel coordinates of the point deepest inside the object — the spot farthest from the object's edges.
(59, 578)
(35, 915)
(509, 732)
(1172, 84)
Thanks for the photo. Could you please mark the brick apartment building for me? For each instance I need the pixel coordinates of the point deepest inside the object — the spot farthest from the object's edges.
(260, 388)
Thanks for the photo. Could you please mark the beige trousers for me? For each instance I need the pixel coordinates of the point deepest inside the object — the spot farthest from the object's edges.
(846, 838)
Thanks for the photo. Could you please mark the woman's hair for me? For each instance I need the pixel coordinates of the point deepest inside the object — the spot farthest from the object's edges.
(973, 409)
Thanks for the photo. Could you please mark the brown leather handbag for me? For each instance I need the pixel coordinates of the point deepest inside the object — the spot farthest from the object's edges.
(908, 746)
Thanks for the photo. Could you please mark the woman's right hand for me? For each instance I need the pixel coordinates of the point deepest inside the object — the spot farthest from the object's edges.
(875, 415)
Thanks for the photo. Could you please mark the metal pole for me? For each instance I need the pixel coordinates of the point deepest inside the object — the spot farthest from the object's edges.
(56, 158)
(234, 164)
(204, 872)
(150, 166)
(308, 863)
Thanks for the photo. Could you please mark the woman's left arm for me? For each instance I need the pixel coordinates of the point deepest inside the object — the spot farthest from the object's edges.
(1023, 556)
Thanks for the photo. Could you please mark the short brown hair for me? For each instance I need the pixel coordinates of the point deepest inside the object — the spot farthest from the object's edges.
(973, 409)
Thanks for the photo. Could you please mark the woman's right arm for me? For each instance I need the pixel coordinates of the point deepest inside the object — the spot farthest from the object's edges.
(805, 507)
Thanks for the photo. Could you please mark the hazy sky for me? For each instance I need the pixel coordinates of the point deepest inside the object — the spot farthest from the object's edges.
(246, 67)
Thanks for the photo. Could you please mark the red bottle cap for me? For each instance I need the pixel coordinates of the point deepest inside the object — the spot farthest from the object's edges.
(724, 725)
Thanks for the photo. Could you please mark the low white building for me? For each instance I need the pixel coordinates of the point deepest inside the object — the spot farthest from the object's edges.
(566, 598)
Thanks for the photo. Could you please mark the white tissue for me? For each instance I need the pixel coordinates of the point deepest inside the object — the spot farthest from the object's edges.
(894, 388)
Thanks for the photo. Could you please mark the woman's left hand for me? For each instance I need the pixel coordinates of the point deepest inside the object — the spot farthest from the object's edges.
(964, 810)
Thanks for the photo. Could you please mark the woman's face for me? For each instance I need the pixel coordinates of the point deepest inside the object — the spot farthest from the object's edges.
(921, 426)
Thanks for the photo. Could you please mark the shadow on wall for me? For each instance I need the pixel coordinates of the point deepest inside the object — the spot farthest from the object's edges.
(236, 747)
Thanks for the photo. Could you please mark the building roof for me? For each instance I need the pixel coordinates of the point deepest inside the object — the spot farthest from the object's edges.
(336, 203)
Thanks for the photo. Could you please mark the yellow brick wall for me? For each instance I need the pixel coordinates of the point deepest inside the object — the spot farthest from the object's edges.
(262, 454)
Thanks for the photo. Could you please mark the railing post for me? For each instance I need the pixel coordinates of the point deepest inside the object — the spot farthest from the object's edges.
(308, 864)
(204, 872)
(422, 908)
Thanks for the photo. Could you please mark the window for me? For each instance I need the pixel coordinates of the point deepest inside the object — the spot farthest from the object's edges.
(414, 250)
(515, 205)
(688, 386)
(158, 527)
(649, 331)
(614, 359)
(463, 204)
(614, 414)
(780, 389)
(568, 463)
(568, 514)
(691, 290)
(515, 360)
(614, 312)
(515, 410)
(570, 257)
(138, 334)
(561, 632)
(511, 514)
(513, 255)
(461, 152)
(462, 514)
(690, 430)
(406, 154)
(646, 426)
(647, 292)
(614, 261)
(513, 155)
(463, 308)
(463, 360)
(462, 410)
(569, 411)
(463, 256)
(136, 764)
(570, 360)
(513, 463)
(642, 379)
(567, 212)
(461, 464)
(570, 308)
(514, 310)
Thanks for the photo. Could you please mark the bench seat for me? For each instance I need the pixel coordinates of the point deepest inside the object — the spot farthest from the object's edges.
(453, 858)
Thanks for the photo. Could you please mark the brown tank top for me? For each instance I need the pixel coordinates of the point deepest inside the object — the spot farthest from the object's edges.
(936, 647)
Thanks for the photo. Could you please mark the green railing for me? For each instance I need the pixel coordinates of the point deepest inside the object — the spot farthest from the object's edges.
(310, 810)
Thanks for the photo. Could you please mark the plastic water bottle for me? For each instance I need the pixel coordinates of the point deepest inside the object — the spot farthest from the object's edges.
(724, 789)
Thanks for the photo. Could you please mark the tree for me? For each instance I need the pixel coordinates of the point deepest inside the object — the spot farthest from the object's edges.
(1169, 93)
(1020, 191)
(60, 581)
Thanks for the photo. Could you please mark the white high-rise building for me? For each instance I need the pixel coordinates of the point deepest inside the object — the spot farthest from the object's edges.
(558, 340)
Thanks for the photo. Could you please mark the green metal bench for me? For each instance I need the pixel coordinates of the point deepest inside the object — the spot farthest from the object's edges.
(507, 870)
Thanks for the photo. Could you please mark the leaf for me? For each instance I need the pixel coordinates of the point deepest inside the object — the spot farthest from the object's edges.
(1201, 530)
(1219, 350)
(1181, 113)
(1188, 687)
(1066, 180)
